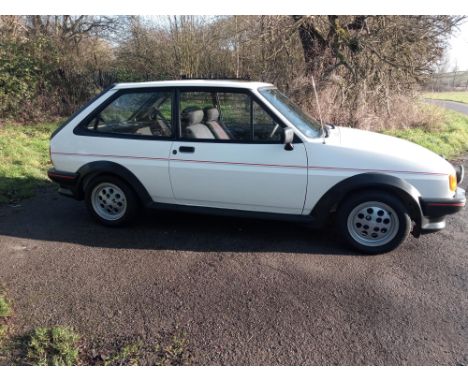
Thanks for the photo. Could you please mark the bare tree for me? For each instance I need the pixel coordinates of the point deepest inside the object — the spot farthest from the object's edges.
(362, 64)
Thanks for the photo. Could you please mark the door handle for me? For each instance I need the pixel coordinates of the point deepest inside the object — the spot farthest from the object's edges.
(187, 149)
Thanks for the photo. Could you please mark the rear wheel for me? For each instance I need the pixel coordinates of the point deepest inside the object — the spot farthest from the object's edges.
(111, 201)
(374, 222)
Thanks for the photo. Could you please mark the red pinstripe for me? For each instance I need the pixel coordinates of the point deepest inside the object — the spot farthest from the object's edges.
(253, 164)
(446, 204)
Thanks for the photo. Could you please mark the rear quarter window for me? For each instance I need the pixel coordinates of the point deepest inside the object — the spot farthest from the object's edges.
(134, 113)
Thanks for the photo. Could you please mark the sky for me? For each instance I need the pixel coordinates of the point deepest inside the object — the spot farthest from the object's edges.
(458, 49)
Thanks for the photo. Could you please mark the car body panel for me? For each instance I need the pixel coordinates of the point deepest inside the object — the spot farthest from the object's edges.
(349, 152)
(255, 177)
(251, 177)
(148, 160)
(239, 84)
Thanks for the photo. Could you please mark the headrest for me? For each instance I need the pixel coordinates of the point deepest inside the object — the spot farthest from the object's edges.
(211, 114)
(192, 115)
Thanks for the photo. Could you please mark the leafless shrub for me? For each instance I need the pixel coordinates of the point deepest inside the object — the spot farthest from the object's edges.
(399, 111)
(366, 67)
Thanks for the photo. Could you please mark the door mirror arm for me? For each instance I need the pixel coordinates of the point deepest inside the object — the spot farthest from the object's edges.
(288, 139)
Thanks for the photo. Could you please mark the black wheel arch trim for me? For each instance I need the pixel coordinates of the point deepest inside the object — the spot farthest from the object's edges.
(370, 181)
(92, 169)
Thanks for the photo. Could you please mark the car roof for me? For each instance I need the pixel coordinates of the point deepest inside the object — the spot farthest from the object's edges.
(200, 83)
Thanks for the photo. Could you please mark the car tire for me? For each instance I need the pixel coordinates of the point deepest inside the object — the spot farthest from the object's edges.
(373, 222)
(111, 201)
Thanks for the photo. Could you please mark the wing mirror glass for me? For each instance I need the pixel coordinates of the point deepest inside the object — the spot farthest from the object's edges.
(288, 139)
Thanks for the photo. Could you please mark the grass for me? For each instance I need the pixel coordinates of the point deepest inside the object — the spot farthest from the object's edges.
(127, 356)
(24, 159)
(3, 343)
(5, 308)
(62, 346)
(57, 346)
(450, 139)
(3, 333)
(449, 96)
(5, 313)
(171, 351)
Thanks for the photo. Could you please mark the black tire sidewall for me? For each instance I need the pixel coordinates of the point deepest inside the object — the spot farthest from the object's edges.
(350, 203)
(132, 201)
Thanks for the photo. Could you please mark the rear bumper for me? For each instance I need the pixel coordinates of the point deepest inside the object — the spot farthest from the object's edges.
(67, 181)
(435, 210)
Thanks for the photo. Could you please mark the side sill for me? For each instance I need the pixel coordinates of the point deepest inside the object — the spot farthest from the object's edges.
(66, 192)
(308, 219)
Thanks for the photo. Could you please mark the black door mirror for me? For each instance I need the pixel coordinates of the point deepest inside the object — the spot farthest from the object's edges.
(288, 139)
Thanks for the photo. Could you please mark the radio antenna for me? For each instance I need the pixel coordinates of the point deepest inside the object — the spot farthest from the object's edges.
(324, 132)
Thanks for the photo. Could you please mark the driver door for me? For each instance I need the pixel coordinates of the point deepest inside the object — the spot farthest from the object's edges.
(247, 169)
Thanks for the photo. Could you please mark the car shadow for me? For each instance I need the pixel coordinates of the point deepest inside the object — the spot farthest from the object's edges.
(13, 189)
(51, 217)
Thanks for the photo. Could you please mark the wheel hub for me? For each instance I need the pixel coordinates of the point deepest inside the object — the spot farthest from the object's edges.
(373, 223)
(109, 201)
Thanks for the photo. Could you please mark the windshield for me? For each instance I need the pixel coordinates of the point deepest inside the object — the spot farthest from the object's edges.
(304, 122)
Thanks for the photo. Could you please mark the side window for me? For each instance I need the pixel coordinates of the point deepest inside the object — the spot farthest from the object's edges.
(264, 127)
(136, 113)
(225, 116)
(193, 106)
(246, 120)
(235, 115)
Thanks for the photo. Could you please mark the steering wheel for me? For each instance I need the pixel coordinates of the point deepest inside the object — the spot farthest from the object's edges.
(97, 120)
(159, 114)
(274, 130)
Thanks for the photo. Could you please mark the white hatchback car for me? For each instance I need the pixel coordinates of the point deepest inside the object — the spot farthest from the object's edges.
(243, 148)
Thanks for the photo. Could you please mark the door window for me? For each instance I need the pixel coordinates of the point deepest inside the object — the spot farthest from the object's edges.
(264, 127)
(226, 116)
(235, 112)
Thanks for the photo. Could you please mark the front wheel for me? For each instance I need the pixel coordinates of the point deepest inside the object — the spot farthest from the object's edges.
(111, 201)
(374, 222)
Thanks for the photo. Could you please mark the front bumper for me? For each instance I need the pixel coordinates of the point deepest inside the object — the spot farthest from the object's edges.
(435, 210)
(67, 181)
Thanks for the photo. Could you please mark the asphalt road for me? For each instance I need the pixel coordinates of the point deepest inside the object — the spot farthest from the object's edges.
(452, 105)
(244, 291)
